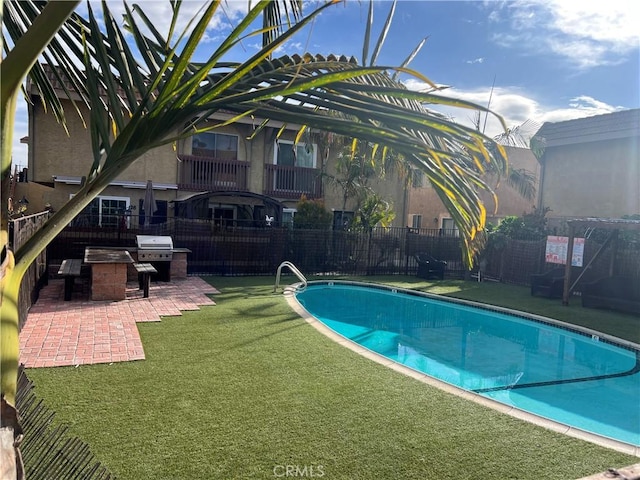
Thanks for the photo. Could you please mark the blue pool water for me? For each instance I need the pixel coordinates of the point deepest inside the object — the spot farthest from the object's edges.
(564, 375)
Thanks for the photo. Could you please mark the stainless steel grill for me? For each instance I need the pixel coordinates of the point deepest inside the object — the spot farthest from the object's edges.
(154, 248)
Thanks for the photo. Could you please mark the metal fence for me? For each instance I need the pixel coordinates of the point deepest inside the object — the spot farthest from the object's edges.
(517, 260)
(238, 250)
(235, 250)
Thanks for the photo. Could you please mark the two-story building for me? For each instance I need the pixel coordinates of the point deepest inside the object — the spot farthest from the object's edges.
(425, 210)
(591, 166)
(231, 175)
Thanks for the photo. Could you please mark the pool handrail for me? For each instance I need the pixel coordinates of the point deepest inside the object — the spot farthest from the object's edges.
(295, 271)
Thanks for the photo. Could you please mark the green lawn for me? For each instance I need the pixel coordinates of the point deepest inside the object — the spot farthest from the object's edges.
(245, 388)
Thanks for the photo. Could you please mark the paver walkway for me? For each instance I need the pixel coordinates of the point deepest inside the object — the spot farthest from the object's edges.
(82, 331)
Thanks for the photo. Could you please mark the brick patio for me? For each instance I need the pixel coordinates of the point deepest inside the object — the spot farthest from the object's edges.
(82, 331)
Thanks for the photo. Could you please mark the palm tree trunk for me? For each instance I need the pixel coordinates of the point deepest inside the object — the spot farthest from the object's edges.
(15, 67)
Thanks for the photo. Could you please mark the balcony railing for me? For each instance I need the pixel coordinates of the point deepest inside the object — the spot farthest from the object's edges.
(291, 182)
(201, 173)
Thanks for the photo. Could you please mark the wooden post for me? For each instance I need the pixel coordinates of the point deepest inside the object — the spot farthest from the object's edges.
(567, 266)
(614, 252)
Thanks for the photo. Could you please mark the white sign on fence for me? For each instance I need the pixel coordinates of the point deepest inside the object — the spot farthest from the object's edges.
(556, 251)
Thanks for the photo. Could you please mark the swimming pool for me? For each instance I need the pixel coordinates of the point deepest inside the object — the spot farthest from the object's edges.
(574, 377)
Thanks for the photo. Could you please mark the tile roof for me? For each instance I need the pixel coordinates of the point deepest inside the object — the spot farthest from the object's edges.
(609, 126)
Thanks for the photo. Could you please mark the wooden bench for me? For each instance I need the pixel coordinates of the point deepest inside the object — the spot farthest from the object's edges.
(69, 269)
(144, 276)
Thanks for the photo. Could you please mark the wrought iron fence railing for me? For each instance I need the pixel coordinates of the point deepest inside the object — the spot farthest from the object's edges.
(239, 248)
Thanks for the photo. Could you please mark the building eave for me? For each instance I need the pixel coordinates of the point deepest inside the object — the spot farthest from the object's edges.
(72, 180)
(610, 126)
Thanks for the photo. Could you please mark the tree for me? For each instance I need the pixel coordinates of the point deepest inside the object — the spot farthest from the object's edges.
(14, 67)
(356, 164)
(353, 171)
(145, 90)
(523, 136)
(530, 226)
(311, 214)
(374, 211)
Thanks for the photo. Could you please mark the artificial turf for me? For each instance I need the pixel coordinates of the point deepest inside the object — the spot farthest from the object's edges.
(246, 389)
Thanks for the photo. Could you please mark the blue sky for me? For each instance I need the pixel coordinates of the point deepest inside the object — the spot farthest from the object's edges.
(551, 60)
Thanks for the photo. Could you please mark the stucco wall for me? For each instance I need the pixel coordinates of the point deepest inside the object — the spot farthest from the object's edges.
(53, 152)
(37, 195)
(390, 188)
(596, 179)
(424, 200)
(510, 201)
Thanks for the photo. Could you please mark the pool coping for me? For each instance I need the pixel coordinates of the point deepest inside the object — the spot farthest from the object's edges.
(629, 449)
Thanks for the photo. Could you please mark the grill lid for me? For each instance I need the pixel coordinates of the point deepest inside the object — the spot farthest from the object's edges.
(154, 242)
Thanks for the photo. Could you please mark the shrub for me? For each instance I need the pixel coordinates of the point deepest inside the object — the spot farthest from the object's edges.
(311, 214)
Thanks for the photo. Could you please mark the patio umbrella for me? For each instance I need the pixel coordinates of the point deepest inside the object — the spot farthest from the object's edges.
(149, 205)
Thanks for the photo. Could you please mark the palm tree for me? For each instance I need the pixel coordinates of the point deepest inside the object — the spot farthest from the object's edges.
(166, 96)
(353, 169)
(523, 136)
(43, 23)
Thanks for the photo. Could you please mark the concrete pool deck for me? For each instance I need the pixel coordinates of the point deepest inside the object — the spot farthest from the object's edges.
(619, 446)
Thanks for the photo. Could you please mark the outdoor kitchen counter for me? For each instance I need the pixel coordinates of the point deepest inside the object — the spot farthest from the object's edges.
(108, 272)
(178, 263)
(135, 249)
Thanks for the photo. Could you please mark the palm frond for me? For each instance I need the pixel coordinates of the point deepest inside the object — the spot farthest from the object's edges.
(43, 22)
(275, 12)
(383, 34)
(524, 181)
(175, 95)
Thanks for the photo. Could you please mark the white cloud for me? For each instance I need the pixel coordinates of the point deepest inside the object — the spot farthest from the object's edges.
(586, 33)
(612, 22)
(160, 14)
(289, 48)
(515, 106)
(475, 60)
(579, 107)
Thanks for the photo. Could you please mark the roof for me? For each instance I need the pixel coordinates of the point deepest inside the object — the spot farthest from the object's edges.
(224, 115)
(73, 180)
(229, 193)
(609, 126)
(608, 223)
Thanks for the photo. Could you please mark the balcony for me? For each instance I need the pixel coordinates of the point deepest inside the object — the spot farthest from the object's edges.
(283, 181)
(212, 174)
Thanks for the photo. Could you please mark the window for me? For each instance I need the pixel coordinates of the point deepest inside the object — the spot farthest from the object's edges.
(416, 221)
(222, 215)
(342, 219)
(159, 216)
(417, 178)
(449, 228)
(215, 145)
(299, 155)
(105, 212)
(287, 216)
(292, 160)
